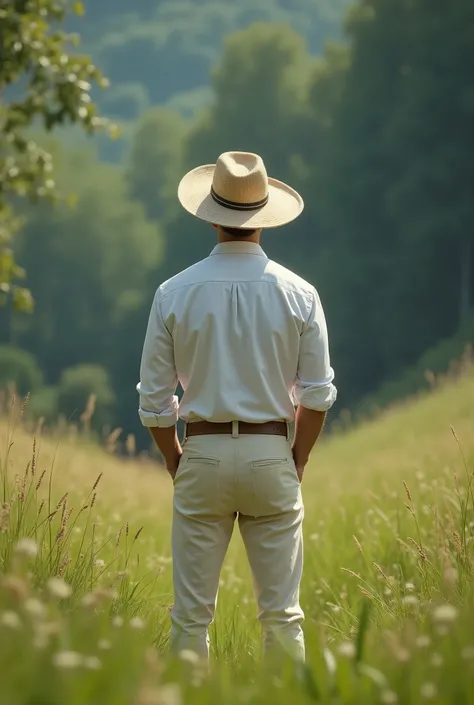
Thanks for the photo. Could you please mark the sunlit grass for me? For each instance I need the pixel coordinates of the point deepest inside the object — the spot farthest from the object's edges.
(388, 586)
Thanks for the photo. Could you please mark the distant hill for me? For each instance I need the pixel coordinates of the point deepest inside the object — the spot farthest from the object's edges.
(162, 51)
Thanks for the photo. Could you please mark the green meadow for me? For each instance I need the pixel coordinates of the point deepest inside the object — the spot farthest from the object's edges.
(86, 584)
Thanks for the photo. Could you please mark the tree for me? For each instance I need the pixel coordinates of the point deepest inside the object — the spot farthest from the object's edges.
(19, 368)
(40, 83)
(79, 386)
(155, 162)
(87, 264)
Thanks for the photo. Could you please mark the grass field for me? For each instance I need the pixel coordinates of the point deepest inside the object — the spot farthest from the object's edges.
(388, 589)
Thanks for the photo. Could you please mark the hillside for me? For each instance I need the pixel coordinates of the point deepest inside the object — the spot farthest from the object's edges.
(407, 550)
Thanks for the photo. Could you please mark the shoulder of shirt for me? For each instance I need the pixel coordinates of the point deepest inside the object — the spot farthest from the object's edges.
(287, 279)
(188, 276)
(274, 273)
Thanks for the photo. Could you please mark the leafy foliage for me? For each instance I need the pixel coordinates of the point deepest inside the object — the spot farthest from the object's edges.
(19, 368)
(48, 86)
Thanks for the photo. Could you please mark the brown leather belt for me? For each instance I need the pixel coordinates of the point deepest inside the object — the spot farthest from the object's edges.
(207, 428)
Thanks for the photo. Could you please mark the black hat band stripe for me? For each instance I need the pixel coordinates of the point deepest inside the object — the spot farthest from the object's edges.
(234, 206)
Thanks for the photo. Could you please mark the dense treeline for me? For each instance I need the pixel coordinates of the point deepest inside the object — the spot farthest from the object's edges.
(378, 137)
(158, 51)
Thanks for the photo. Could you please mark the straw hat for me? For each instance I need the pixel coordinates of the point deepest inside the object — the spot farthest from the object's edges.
(237, 193)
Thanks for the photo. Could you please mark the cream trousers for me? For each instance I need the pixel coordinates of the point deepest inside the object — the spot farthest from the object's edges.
(252, 479)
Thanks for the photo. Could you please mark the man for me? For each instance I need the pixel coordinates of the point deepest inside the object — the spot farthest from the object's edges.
(247, 340)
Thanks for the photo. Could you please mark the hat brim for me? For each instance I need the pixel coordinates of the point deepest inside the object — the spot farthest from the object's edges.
(194, 193)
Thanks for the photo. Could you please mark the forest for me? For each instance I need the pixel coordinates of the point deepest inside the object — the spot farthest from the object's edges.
(367, 110)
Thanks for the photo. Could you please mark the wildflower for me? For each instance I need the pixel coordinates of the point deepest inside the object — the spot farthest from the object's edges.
(99, 563)
(445, 614)
(27, 547)
(388, 697)
(59, 588)
(34, 607)
(104, 644)
(117, 621)
(97, 596)
(409, 587)
(137, 623)
(188, 656)
(92, 663)
(428, 691)
(423, 641)
(15, 586)
(347, 649)
(170, 694)
(10, 620)
(410, 600)
(67, 659)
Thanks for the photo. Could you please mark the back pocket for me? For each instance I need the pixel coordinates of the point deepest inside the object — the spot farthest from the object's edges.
(270, 462)
(276, 487)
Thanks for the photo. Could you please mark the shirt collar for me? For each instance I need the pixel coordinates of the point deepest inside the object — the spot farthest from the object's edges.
(238, 248)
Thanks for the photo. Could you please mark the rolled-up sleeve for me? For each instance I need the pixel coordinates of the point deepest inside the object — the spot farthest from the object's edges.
(314, 388)
(158, 378)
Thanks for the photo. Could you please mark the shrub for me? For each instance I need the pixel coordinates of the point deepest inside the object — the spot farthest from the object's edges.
(19, 367)
(85, 393)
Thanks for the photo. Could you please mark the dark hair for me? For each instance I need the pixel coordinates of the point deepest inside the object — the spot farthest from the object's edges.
(237, 232)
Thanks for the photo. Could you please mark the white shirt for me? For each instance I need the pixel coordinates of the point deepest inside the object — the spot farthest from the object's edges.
(244, 336)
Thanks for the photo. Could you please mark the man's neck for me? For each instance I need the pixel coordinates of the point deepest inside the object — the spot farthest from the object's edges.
(222, 237)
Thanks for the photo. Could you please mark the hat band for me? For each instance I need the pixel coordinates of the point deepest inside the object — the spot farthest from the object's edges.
(234, 206)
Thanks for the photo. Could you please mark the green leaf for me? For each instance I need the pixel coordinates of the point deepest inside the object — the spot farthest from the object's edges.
(78, 8)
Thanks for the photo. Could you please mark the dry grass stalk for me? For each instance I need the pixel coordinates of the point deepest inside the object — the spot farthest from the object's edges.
(112, 438)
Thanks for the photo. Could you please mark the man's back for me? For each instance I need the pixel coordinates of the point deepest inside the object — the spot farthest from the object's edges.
(238, 323)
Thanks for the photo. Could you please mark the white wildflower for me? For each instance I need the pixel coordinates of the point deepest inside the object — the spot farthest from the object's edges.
(117, 621)
(137, 623)
(104, 644)
(409, 587)
(67, 659)
(10, 619)
(423, 641)
(59, 588)
(189, 656)
(35, 607)
(27, 547)
(388, 697)
(99, 563)
(347, 649)
(428, 691)
(92, 663)
(170, 694)
(445, 614)
(410, 600)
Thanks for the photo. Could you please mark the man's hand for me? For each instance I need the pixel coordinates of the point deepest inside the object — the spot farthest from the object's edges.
(300, 472)
(172, 463)
(168, 443)
(309, 424)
